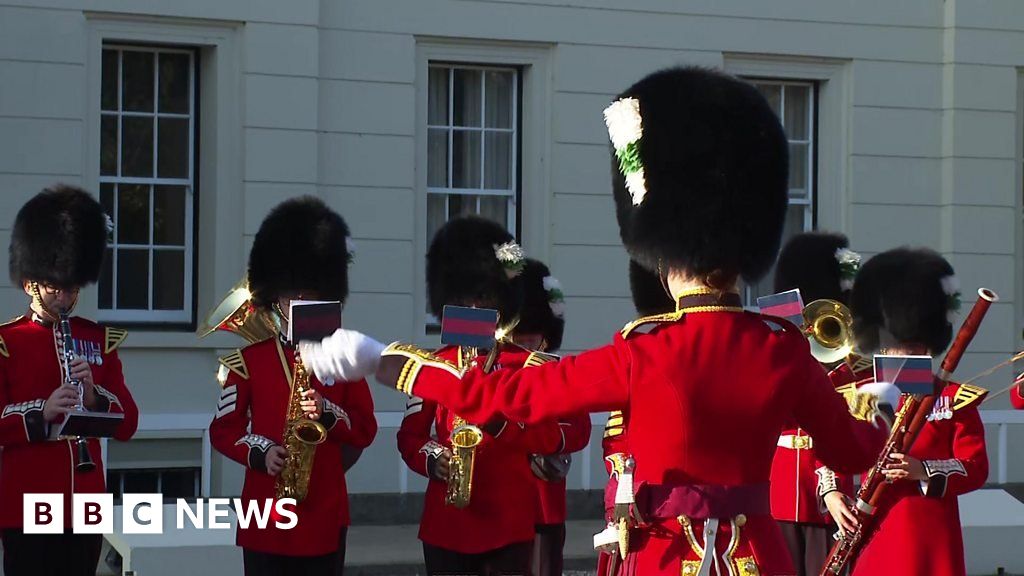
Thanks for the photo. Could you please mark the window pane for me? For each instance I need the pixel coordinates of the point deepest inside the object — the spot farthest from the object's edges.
(108, 96)
(133, 214)
(797, 99)
(773, 93)
(172, 148)
(168, 279)
(437, 213)
(467, 97)
(437, 96)
(179, 483)
(174, 83)
(498, 107)
(798, 163)
(466, 159)
(495, 208)
(107, 201)
(137, 146)
(108, 146)
(106, 296)
(461, 205)
(169, 215)
(498, 160)
(437, 157)
(132, 280)
(142, 481)
(137, 90)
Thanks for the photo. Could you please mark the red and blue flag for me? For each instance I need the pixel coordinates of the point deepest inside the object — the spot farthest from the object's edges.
(911, 374)
(473, 327)
(788, 305)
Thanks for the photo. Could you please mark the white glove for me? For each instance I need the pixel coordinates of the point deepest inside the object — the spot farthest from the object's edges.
(607, 540)
(345, 355)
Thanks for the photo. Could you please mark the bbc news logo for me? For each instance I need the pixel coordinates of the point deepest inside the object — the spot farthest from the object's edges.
(144, 513)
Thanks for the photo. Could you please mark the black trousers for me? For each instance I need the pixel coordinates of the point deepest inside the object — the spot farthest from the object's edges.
(64, 554)
(808, 544)
(265, 564)
(511, 560)
(547, 549)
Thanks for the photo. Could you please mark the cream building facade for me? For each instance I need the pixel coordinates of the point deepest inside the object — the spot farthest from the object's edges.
(192, 118)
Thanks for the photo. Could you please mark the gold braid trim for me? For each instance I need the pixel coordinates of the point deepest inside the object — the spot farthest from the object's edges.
(416, 359)
(968, 394)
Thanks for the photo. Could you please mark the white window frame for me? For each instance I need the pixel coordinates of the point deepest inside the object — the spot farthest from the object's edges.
(220, 165)
(1018, 328)
(534, 63)
(186, 314)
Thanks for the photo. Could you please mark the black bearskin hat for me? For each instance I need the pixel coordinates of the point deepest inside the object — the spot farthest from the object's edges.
(909, 292)
(463, 268)
(649, 296)
(820, 264)
(301, 245)
(543, 305)
(59, 238)
(712, 193)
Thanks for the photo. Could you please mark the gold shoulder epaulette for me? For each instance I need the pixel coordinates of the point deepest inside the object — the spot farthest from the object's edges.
(236, 363)
(614, 426)
(114, 338)
(968, 394)
(655, 319)
(537, 358)
(3, 348)
(415, 359)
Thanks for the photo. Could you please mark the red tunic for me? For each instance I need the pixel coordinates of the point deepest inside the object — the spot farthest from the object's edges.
(918, 529)
(708, 394)
(251, 418)
(503, 507)
(30, 371)
(799, 479)
(1016, 399)
(551, 494)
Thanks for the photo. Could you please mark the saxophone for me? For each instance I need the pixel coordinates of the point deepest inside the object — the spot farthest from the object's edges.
(301, 437)
(465, 438)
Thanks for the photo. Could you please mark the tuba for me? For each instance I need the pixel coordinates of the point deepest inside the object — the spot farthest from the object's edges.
(828, 326)
(301, 437)
(465, 438)
(236, 313)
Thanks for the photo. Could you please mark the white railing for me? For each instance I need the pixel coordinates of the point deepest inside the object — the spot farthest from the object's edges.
(1001, 419)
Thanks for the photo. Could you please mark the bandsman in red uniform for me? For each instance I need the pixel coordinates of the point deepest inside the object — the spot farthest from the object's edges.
(700, 184)
(904, 302)
(541, 326)
(808, 498)
(650, 297)
(57, 248)
(475, 262)
(299, 253)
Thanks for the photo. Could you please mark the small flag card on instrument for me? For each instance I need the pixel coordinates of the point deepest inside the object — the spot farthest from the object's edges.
(473, 327)
(313, 320)
(788, 305)
(911, 374)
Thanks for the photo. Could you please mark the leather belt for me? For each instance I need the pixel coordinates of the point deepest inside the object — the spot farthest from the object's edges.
(796, 441)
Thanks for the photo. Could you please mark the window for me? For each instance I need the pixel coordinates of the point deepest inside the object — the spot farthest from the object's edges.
(173, 483)
(472, 144)
(795, 103)
(148, 147)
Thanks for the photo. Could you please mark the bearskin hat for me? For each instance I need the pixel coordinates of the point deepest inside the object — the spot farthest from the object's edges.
(543, 310)
(474, 262)
(649, 295)
(820, 264)
(59, 238)
(699, 173)
(301, 245)
(909, 292)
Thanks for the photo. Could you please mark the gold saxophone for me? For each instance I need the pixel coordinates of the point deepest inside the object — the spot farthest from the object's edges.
(301, 437)
(464, 439)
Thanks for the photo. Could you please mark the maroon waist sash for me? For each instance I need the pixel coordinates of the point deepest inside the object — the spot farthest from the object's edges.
(702, 501)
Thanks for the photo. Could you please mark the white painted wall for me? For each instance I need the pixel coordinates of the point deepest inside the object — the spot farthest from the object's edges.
(919, 140)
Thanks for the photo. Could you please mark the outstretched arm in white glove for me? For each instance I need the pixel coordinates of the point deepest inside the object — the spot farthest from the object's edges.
(345, 355)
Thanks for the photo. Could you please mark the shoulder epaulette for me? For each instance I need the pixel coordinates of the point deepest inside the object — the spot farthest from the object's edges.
(235, 363)
(615, 424)
(537, 358)
(665, 318)
(113, 339)
(861, 363)
(3, 348)
(968, 394)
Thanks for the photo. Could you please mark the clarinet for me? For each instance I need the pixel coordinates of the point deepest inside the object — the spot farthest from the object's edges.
(912, 416)
(84, 459)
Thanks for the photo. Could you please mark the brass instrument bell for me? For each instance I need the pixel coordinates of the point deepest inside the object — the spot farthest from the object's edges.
(828, 325)
(236, 313)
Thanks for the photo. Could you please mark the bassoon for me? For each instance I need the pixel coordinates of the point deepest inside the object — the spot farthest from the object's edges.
(910, 418)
